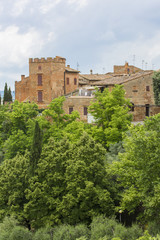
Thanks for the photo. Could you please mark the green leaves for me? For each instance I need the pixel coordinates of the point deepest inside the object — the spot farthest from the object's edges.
(156, 87)
(110, 110)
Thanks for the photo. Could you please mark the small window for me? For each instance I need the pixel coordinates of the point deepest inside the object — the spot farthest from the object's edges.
(147, 110)
(67, 81)
(39, 79)
(70, 110)
(40, 96)
(85, 111)
(39, 67)
(132, 107)
(75, 81)
(147, 88)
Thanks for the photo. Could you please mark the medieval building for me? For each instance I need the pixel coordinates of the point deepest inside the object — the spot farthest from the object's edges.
(50, 78)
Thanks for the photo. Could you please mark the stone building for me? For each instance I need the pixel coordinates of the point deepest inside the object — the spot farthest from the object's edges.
(48, 78)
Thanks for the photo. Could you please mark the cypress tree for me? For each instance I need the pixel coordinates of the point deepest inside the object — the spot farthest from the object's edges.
(0, 99)
(36, 147)
(9, 95)
(5, 97)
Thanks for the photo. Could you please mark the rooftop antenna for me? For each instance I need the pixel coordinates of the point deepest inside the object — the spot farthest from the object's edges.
(142, 64)
(77, 66)
(134, 59)
(104, 70)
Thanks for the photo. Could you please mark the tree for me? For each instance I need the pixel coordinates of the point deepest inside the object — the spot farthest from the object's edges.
(5, 96)
(156, 87)
(9, 95)
(138, 170)
(36, 147)
(14, 180)
(110, 111)
(71, 185)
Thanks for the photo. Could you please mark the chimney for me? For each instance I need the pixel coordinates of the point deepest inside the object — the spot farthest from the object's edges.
(68, 66)
(22, 77)
(91, 71)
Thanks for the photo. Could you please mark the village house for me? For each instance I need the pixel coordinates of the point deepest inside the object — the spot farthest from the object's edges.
(50, 78)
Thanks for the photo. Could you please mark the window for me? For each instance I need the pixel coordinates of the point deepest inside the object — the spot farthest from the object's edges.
(40, 96)
(39, 79)
(75, 81)
(67, 81)
(147, 88)
(85, 110)
(147, 110)
(70, 110)
(134, 89)
(132, 107)
(39, 67)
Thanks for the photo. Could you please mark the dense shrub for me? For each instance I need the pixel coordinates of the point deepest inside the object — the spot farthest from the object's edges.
(20, 233)
(104, 228)
(42, 234)
(68, 232)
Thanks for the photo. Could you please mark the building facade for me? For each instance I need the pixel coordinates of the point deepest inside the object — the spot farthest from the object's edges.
(48, 78)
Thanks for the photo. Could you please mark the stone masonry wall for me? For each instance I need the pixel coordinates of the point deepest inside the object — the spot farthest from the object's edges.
(78, 103)
(140, 90)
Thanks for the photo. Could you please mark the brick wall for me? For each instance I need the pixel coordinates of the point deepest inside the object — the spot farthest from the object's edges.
(53, 85)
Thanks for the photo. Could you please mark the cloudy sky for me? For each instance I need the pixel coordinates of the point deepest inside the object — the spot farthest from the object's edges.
(95, 34)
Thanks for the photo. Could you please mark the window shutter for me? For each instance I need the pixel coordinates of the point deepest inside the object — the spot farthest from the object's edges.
(39, 79)
(40, 98)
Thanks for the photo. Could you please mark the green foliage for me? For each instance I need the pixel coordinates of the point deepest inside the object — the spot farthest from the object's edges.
(138, 171)
(110, 110)
(13, 182)
(16, 143)
(36, 147)
(156, 87)
(68, 232)
(42, 234)
(71, 183)
(20, 233)
(7, 94)
(6, 227)
(104, 228)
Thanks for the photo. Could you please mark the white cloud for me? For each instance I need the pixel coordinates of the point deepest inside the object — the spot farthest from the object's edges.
(119, 52)
(78, 4)
(48, 5)
(19, 7)
(15, 46)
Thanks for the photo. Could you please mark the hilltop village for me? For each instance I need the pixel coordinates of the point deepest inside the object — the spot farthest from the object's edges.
(50, 78)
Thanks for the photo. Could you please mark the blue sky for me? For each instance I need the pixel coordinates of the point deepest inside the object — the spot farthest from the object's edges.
(95, 33)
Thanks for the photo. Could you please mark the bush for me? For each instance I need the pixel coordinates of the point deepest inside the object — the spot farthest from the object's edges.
(153, 228)
(42, 234)
(103, 228)
(68, 232)
(6, 227)
(20, 233)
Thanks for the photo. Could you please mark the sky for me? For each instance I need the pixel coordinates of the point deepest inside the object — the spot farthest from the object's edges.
(90, 34)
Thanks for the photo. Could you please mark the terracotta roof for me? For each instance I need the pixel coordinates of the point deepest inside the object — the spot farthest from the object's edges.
(95, 77)
(121, 79)
(68, 69)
